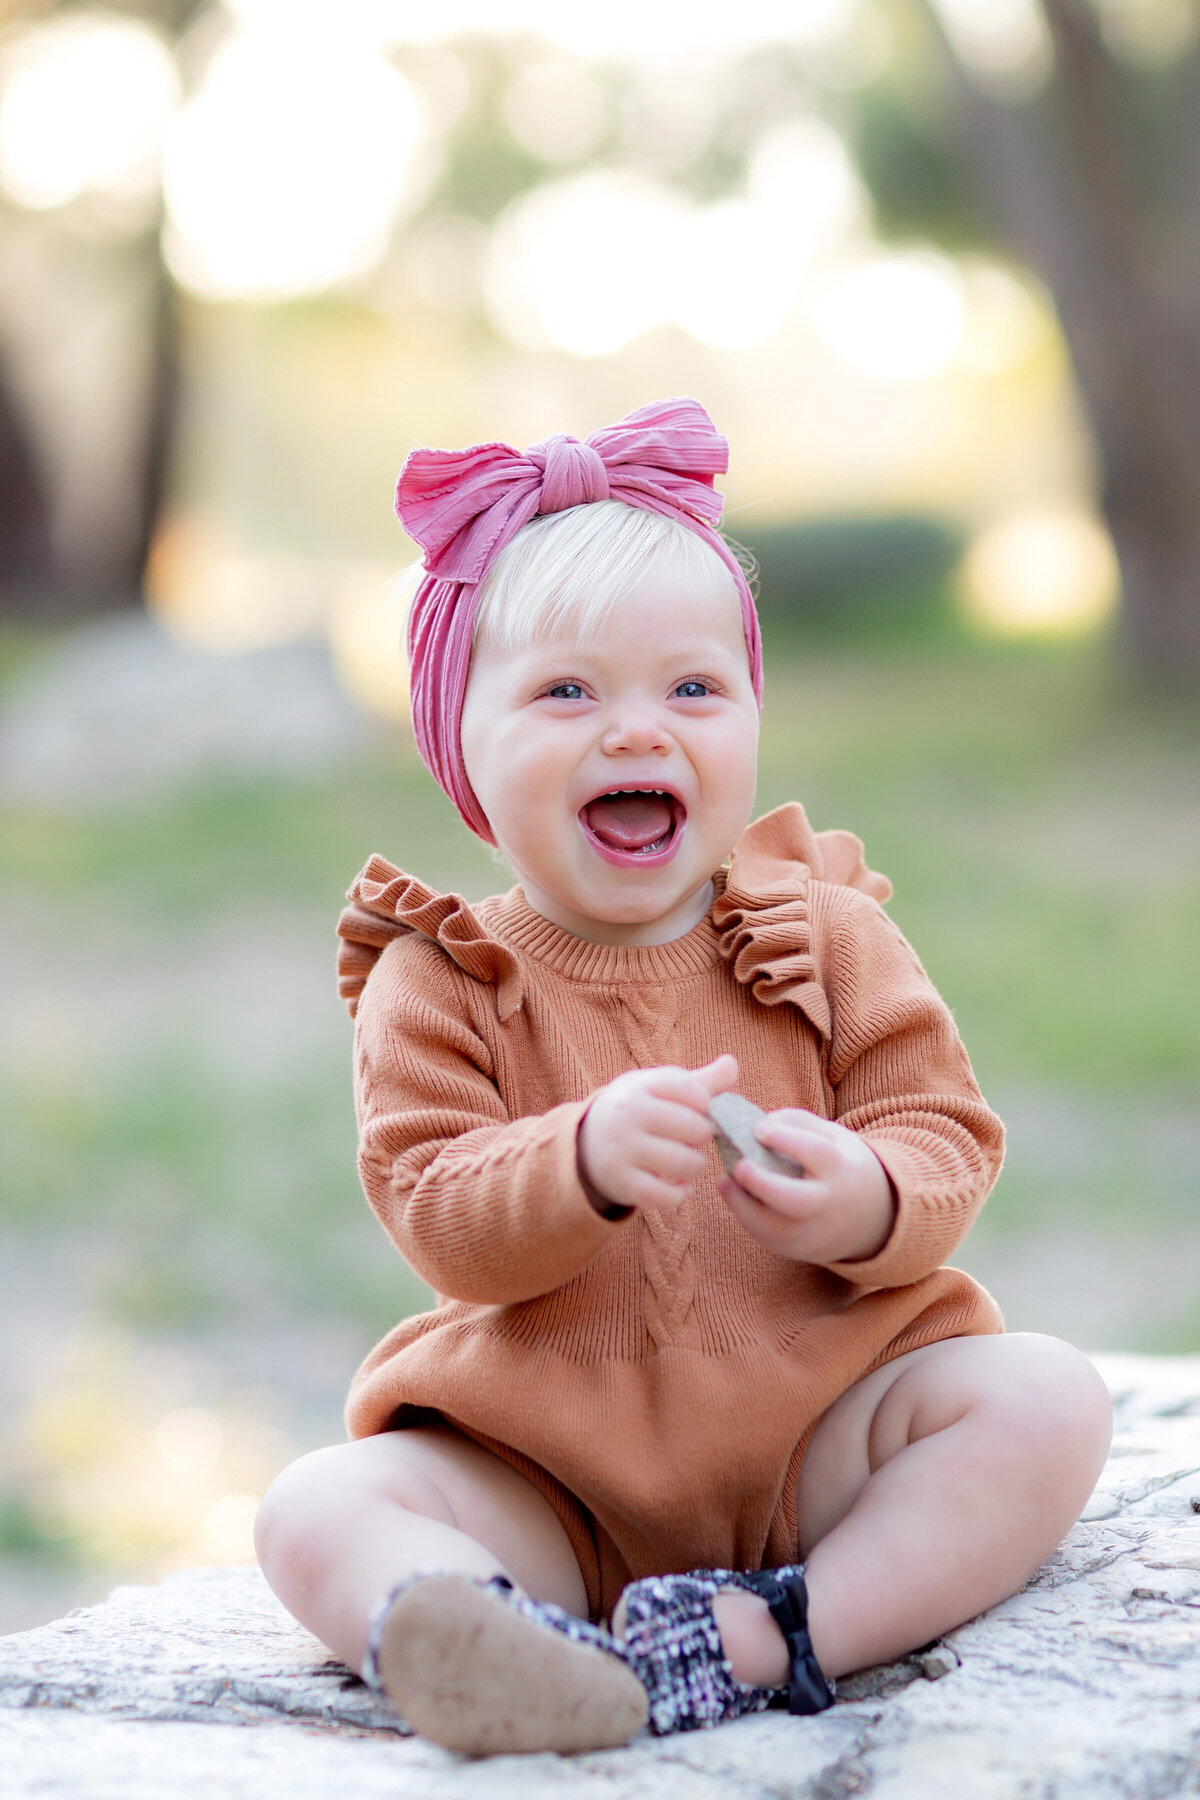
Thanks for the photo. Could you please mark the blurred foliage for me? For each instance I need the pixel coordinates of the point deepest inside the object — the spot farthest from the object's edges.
(207, 1198)
(909, 138)
(25, 1533)
(484, 166)
(853, 578)
(908, 155)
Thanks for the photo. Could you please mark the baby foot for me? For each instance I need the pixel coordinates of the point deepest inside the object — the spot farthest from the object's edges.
(478, 1668)
(681, 1632)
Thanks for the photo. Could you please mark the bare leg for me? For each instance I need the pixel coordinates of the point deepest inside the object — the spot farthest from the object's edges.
(931, 1490)
(340, 1527)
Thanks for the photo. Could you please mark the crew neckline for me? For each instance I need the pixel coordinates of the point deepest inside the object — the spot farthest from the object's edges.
(525, 930)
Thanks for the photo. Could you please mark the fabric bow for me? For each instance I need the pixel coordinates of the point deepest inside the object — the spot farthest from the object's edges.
(464, 506)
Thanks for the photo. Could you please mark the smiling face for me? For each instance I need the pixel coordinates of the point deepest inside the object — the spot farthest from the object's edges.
(617, 766)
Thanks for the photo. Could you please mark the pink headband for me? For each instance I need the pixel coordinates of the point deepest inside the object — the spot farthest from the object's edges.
(463, 506)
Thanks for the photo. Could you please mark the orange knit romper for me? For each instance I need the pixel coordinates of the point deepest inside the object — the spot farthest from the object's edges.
(657, 1376)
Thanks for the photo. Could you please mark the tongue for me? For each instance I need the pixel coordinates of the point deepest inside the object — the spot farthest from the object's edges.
(629, 821)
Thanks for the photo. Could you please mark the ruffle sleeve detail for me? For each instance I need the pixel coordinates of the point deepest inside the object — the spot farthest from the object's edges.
(384, 903)
(762, 913)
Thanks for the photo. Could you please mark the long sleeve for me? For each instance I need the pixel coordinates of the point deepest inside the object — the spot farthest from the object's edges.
(902, 1080)
(484, 1207)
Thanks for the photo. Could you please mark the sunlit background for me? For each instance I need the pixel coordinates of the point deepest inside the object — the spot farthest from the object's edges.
(253, 252)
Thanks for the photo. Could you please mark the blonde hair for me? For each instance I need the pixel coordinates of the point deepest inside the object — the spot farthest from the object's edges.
(571, 567)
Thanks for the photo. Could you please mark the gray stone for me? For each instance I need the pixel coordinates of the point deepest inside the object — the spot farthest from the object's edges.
(735, 1118)
(119, 714)
(1084, 1686)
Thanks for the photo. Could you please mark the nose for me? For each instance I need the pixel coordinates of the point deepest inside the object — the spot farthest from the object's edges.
(636, 731)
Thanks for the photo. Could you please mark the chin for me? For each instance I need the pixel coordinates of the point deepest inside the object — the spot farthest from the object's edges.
(632, 911)
(636, 906)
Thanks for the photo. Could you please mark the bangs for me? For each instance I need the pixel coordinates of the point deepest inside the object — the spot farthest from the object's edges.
(565, 572)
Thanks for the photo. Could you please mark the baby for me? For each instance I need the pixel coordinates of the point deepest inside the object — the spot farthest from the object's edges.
(673, 1446)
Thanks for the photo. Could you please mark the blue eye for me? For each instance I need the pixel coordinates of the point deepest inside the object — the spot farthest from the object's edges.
(565, 690)
(694, 690)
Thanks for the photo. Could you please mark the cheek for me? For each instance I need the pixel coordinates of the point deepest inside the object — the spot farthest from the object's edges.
(732, 758)
(518, 768)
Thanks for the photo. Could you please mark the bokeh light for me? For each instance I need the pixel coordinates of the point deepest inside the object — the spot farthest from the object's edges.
(734, 279)
(367, 634)
(897, 317)
(130, 1482)
(1007, 319)
(85, 100)
(1046, 572)
(1003, 43)
(581, 264)
(1148, 32)
(801, 174)
(592, 262)
(285, 173)
(557, 111)
(189, 1441)
(637, 29)
(212, 593)
(228, 1529)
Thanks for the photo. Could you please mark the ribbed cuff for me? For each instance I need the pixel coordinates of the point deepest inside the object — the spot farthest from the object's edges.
(607, 1209)
(919, 1240)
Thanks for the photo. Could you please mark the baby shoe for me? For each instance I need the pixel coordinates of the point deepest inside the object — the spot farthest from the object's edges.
(675, 1647)
(474, 1666)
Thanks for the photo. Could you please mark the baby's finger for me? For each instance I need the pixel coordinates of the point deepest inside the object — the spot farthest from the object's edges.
(719, 1075)
(682, 1124)
(789, 1196)
(669, 1160)
(816, 1154)
(687, 1086)
(651, 1194)
(773, 1232)
(801, 1119)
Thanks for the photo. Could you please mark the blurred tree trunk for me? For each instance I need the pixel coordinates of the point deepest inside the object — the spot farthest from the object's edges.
(51, 568)
(39, 575)
(1121, 255)
(154, 464)
(25, 556)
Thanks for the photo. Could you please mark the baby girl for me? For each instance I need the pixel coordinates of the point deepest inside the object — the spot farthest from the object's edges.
(673, 1446)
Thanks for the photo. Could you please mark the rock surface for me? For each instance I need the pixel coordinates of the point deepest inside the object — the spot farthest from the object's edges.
(1084, 1686)
(118, 714)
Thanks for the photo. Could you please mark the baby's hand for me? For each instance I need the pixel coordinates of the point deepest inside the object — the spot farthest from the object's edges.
(643, 1138)
(841, 1210)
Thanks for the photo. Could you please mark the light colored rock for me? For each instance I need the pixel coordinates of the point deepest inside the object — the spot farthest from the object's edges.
(119, 714)
(735, 1118)
(1084, 1686)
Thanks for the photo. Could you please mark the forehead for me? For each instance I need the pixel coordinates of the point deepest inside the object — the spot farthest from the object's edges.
(662, 618)
(658, 628)
(570, 567)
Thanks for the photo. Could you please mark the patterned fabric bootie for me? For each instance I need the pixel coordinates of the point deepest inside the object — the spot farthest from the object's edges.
(474, 1666)
(675, 1647)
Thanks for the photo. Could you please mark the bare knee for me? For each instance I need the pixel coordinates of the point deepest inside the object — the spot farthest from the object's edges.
(311, 1504)
(1055, 1401)
(1038, 1405)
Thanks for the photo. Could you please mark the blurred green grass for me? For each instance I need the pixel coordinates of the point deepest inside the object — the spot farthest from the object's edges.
(1037, 816)
(1039, 820)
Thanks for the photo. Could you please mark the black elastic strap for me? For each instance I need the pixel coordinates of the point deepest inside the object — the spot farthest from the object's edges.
(787, 1601)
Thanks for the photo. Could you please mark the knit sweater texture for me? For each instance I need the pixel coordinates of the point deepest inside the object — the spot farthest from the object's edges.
(657, 1375)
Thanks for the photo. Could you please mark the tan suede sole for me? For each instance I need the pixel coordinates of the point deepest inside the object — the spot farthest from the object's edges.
(468, 1672)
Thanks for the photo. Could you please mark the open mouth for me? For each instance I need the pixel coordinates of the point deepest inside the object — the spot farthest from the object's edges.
(634, 827)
